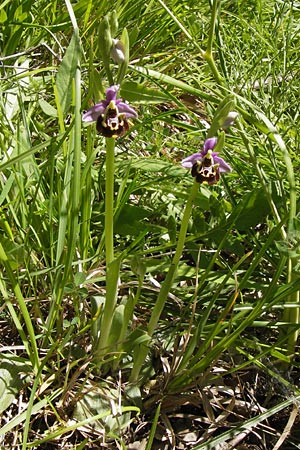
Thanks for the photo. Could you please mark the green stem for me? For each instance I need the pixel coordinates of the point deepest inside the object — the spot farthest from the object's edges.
(213, 20)
(208, 55)
(210, 61)
(112, 265)
(167, 284)
(109, 200)
(86, 191)
(291, 315)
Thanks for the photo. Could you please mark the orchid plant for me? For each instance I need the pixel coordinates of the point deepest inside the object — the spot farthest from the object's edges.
(112, 116)
(206, 167)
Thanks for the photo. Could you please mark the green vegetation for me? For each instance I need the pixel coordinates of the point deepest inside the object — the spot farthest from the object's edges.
(139, 308)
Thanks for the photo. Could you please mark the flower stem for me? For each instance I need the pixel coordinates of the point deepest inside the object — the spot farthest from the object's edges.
(291, 315)
(166, 285)
(109, 200)
(111, 277)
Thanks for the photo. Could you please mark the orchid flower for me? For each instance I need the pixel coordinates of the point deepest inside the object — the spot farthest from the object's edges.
(206, 165)
(110, 114)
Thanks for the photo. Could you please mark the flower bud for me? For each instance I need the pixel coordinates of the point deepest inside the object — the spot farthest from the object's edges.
(221, 114)
(117, 51)
(105, 39)
(231, 116)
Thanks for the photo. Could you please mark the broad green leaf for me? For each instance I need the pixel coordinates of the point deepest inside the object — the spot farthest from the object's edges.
(79, 278)
(116, 325)
(113, 22)
(66, 74)
(48, 109)
(255, 210)
(129, 221)
(105, 45)
(105, 402)
(15, 253)
(135, 339)
(138, 267)
(221, 113)
(3, 16)
(11, 381)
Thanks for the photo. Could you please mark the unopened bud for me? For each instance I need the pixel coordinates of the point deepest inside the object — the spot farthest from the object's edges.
(117, 51)
(232, 115)
(105, 40)
(221, 114)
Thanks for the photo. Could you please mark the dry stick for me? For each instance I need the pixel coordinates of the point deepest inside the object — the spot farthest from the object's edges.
(287, 429)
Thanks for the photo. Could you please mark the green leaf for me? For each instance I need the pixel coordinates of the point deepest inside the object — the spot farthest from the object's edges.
(15, 253)
(105, 45)
(48, 109)
(116, 325)
(105, 40)
(137, 92)
(172, 229)
(135, 339)
(220, 142)
(138, 267)
(113, 22)
(153, 427)
(3, 16)
(221, 113)
(79, 278)
(129, 221)
(255, 210)
(66, 74)
(10, 381)
(104, 401)
(97, 304)
(162, 78)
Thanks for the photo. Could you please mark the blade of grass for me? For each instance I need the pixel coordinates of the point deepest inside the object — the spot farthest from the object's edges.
(69, 215)
(153, 428)
(30, 345)
(251, 423)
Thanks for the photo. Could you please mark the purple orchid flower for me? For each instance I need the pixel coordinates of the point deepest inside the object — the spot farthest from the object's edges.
(110, 114)
(206, 165)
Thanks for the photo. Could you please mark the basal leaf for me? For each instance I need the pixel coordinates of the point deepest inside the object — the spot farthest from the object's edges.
(10, 382)
(255, 210)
